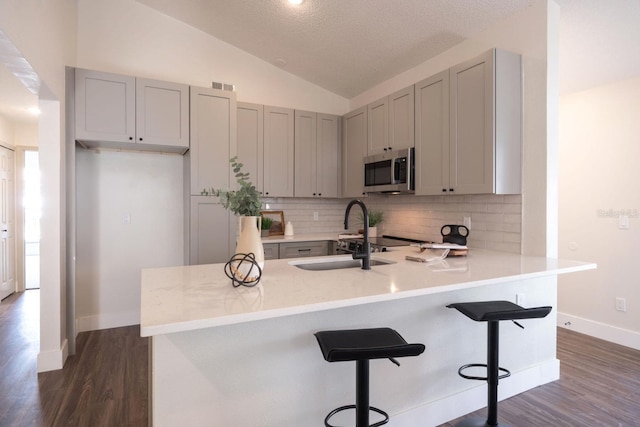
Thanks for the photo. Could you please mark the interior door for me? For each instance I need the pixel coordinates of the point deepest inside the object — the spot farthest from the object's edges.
(7, 241)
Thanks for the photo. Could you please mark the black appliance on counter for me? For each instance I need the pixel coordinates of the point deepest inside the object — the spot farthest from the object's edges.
(378, 244)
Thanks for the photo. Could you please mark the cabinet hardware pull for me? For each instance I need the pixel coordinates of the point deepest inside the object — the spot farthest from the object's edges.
(451, 189)
(304, 250)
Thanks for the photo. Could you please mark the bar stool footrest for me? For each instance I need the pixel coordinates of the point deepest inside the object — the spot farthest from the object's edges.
(344, 408)
(506, 373)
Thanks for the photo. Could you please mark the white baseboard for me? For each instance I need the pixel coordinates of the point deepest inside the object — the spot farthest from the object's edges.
(53, 359)
(603, 331)
(451, 407)
(107, 321)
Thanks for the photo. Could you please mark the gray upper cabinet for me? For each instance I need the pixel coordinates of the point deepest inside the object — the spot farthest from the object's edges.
(328, 156)
(278, 152)
(468, 127)
(213, 138)
(354, 149)
(401, 119)
(378, 126)
(105, 106)
(433, 151)
(162, 113)
(486, 124)
(123, 110)
(251, 141)
(391, 122)
(316, 154)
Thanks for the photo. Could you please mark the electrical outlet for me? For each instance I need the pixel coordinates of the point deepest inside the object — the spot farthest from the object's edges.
(621, 304)
(126, 218)
(315, 216)
(521, 299)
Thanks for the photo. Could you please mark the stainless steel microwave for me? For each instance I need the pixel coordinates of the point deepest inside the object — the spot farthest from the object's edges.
(390, 172)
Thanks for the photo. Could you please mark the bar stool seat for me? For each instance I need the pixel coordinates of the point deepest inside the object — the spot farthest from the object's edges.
(362, 345)
(493, 312)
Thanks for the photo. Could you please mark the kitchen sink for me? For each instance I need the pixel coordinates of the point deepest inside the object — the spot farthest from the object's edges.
(335, 264)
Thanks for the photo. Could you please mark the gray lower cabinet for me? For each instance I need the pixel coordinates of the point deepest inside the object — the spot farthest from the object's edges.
(304, 249)
(212, 231)
(271, 251)
(297, 249)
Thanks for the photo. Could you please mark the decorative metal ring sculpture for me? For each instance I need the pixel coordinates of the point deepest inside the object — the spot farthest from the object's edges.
(242, 269)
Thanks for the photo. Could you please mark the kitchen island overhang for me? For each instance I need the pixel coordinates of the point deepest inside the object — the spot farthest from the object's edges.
(216, 348)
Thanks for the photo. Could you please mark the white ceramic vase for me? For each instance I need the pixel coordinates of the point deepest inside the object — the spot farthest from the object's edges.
(249, 241)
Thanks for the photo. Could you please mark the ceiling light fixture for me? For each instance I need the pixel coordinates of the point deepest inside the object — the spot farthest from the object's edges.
(295, 2)
(34, 110)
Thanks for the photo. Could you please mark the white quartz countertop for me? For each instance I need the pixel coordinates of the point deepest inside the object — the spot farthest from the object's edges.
(178, 299)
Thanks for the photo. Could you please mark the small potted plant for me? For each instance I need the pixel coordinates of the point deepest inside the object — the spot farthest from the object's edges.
(266, 226)
(375, 218)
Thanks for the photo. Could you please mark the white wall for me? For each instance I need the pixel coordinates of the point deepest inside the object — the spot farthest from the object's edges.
(26, 135)
(112, 185)
(599, 176)
(45, 33)
(124, 36)
(530, 33)
(6, 131)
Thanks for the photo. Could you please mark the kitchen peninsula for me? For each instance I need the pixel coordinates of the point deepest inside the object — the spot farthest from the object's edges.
(247, 356)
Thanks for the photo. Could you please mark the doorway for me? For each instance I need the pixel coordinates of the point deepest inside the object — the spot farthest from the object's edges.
(32, 205)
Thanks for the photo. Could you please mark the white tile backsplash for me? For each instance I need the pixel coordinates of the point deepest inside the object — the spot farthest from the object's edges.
(496, 220)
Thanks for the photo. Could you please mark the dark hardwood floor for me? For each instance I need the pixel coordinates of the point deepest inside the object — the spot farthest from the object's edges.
(105, 383)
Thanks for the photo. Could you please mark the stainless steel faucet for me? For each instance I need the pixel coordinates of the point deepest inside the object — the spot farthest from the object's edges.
(366, 255)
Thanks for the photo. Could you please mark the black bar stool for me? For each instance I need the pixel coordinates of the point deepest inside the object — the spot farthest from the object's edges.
(363, 345)
(493, 312)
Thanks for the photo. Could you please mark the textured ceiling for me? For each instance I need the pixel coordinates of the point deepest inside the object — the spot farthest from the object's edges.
(348, 46)
(345, 46)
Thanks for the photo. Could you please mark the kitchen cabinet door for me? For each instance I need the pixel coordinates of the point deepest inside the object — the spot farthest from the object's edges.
(354, 150)
(212, 231)
(162, 113)
(278, 152)
(328, 155)
(401, 119)
(316, 154)
(391, 122)
(378, 126)
(305, 154)
(303, 249)
(250, 141)
(271, 251)
(432, 135)
(213, 139)
(486, 124)
(105, 107)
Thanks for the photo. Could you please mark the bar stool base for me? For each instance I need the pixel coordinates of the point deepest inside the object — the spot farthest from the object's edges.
(344, 408)
(478, 422)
